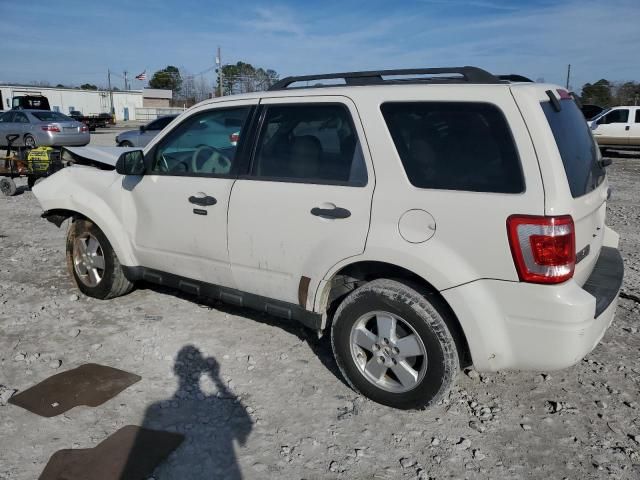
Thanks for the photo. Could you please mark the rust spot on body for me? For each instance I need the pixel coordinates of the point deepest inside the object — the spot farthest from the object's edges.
(303, 291)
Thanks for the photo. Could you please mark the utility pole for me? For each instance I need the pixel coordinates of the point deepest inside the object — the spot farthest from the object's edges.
(568, 75)
(111, 111)
(219, 71)
(125, 81)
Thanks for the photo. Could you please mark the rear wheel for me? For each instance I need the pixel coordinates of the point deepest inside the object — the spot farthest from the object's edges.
(126, 143)
(29, 141)
(7, 187)
(93, 263)
(393, 345)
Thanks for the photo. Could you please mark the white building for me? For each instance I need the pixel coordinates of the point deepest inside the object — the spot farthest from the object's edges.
(91, 102)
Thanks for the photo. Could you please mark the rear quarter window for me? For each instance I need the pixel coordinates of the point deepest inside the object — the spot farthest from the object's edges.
(576, 147)
(455, 146)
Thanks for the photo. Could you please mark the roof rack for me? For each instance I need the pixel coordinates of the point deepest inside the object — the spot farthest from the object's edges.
(376, 77)
(514, 77)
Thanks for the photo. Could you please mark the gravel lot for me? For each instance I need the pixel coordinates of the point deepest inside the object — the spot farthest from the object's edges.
(259, 397)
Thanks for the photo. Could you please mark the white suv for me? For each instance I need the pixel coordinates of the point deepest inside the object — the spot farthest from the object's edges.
(431, 219)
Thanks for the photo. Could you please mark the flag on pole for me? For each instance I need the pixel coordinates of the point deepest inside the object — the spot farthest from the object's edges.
(142, 76)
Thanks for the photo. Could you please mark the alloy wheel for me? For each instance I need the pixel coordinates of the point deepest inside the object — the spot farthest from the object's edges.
(88, 259)
(388, 351)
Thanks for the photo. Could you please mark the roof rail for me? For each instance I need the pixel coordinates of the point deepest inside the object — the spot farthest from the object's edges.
(376, 77)
(514, 77)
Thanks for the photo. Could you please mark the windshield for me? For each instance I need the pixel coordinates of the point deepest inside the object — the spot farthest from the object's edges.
(601, 114)
(576, 146)
(52, 117)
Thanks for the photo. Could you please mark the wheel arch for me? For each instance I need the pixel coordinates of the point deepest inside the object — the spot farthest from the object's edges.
(58, 216)
(355, 274)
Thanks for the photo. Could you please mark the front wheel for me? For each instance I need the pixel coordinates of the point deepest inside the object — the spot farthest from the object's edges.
(125, 143)
(393, 345)
(93, 263)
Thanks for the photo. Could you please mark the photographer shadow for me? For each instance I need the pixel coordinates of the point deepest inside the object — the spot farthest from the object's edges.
(211, 422)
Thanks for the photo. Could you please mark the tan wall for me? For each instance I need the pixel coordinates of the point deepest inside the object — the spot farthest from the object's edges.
(155, 102)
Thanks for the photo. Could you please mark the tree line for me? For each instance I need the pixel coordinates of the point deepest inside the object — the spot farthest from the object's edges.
(610, 94)
(189, 89)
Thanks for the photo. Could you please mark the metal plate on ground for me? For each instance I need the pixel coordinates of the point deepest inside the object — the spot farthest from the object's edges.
(132, 453)
(89, 385)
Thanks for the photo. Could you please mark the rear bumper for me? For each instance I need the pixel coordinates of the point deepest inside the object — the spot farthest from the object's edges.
(512, 325)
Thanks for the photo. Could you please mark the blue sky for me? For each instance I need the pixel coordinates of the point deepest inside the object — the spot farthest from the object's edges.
(76, 41)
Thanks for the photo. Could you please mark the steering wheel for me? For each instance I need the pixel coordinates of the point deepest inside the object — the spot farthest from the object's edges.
(215, 162)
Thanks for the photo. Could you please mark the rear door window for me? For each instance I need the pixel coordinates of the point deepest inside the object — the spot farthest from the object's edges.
(455, 146)
(20, 118)
(576, 146)
(7, 117)
(314, 143)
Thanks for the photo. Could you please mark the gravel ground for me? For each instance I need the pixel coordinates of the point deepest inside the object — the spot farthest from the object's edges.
(259, 397)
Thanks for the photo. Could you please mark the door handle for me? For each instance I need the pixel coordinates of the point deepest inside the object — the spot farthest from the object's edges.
(336, 212)
(627, 127)
(205, 201)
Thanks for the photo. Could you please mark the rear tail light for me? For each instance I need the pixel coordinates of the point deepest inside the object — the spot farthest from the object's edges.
(84, 128)
(543, 248)
(51, 128)
(234, 137)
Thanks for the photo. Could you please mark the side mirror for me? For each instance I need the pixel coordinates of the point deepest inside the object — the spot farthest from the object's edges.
(142, 128)
(131, 163)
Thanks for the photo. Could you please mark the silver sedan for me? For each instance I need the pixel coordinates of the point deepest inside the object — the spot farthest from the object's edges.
(140, 138)
(42, 128)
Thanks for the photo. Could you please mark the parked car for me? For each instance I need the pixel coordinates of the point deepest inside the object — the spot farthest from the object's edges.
(142, 136)
(617, 127)
(42, 128)
(432, 224)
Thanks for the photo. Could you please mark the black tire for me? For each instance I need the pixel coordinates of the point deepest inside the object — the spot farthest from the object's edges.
(31, 181)
(113, 282)
(125, 143)
(427, 320)
(29, 141)
(8, 187)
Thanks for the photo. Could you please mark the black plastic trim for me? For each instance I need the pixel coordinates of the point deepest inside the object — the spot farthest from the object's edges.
(554, 101)
(514, 77)
(228, 295)
(605, 281)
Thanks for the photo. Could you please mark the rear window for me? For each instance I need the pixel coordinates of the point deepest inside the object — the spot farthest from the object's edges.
(455, 146)
(576, 146)
(51, 117)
